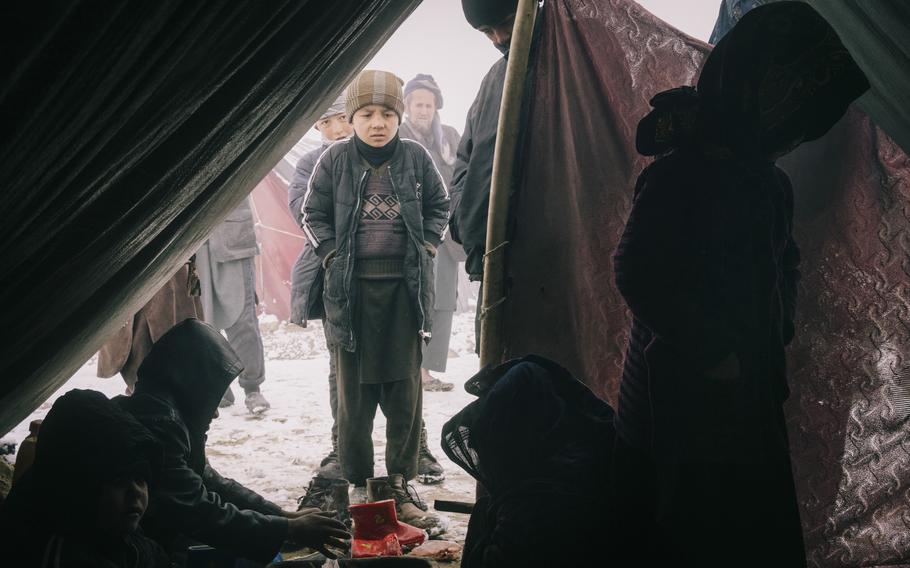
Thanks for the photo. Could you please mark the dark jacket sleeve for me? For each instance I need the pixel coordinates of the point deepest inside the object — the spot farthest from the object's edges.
(181, 499)
(297, 188)
(660, 271)
(319, 206)
(434, 200)
(459, 174)
(236, 494)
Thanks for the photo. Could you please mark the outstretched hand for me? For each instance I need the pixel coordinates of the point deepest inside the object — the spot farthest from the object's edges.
(319, 531)
(299, 513)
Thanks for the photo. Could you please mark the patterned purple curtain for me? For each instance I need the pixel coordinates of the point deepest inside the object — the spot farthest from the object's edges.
(598, 65)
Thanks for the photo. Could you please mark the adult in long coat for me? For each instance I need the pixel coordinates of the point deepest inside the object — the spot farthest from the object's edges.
(422, 101)
(227, 275)
(473, 170)
(171, 304)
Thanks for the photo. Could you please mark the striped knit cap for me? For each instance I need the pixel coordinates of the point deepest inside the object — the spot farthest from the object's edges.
(336, 108)
(375, 88)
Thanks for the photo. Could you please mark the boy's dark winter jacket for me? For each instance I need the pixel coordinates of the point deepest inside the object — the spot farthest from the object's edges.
(332, 210)
(307, 273)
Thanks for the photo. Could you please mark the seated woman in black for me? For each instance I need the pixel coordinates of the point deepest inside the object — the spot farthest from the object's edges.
(80, 503)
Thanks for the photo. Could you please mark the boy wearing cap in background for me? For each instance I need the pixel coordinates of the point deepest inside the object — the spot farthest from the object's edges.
(376, 208)
(307, 275)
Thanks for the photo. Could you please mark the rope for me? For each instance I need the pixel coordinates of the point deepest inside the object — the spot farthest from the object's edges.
(485, 311)
(281, 231)
(496, 248)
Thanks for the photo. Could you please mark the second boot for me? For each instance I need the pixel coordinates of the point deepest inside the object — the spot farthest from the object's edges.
(429, 470)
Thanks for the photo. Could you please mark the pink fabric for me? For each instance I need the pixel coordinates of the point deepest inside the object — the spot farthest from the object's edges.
(280, 243)
(849, 368)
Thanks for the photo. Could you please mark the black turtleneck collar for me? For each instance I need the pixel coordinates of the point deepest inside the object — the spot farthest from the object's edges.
(376, 156)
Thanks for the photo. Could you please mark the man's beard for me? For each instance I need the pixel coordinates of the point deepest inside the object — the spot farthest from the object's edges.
(423, 127)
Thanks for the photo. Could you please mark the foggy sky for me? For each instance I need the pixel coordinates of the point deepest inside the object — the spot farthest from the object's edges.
(437, 40)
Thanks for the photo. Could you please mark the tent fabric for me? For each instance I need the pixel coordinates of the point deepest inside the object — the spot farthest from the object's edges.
(849, 368)
(130, 131)
(280, 238)
(877, 35)
(280, 243)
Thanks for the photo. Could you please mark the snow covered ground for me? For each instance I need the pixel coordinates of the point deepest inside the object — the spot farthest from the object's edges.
(278, 453)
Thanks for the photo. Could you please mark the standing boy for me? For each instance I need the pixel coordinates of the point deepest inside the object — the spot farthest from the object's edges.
(376, 208)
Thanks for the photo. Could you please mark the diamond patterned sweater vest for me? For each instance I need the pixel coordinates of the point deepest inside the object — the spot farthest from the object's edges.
(381, 232)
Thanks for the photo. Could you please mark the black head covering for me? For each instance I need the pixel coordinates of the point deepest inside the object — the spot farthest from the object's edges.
(193, 365)
(533, 420)
(780, 77)
(488, 12)
(84, 441)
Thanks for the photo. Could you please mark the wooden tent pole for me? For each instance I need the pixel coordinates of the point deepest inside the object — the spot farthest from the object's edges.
(491, 344)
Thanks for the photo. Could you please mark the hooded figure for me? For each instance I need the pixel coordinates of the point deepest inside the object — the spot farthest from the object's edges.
(60, 512)
(709, 268)
(539, 442)
(180, 385)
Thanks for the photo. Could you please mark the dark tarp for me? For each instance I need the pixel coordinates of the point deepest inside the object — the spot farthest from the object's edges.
(877, 35)
(130, 129)
(849, 368)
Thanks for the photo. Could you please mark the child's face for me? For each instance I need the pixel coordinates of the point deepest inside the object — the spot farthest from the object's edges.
(376, 125)
(335, 127)
(123, 502)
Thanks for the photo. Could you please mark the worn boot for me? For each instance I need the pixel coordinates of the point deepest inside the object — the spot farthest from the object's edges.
(434, 384)
(316, 495)
(429, 470)
(358, 495)
(410, 508)
(330, 466)
(256, 403)
(338, 500)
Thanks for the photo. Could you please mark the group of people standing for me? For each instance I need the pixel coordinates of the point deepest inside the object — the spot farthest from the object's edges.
(699, 472)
